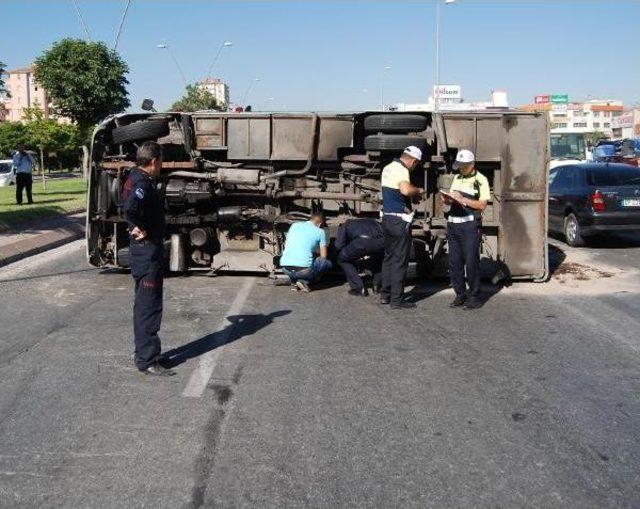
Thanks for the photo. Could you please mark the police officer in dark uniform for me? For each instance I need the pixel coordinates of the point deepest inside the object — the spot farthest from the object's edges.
(355, 239)
(397, 192)
(468, 197)
(144, 211)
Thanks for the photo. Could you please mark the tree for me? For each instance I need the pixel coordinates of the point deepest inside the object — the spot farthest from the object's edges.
(48, 135)
(592, 138)
(196, 98)
(86, 82)
(11, 135)
(3, 87)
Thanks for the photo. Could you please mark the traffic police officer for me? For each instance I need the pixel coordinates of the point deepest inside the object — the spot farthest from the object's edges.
(397, 216)
(144, 212)
(469, 196)
(355, 239)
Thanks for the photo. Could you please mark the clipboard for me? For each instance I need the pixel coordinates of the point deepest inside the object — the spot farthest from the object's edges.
(449, 195)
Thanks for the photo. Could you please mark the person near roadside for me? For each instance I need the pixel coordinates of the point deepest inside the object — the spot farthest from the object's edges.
(356, 239)
(304, 240)
(145, 215)
(23, 165)
(397, 216)
(470, 194)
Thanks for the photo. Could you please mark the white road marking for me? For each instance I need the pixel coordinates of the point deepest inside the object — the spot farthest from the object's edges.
(33, 262)
(207, 363)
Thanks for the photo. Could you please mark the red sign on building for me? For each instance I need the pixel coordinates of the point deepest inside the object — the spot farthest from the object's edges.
(542, 99)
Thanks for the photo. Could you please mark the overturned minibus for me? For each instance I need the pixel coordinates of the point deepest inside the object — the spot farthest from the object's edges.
(233, 183)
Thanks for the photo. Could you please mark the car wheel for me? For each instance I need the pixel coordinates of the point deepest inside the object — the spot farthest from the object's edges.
(393, 142)
(572, 232)
(143, 130)
(395, 123)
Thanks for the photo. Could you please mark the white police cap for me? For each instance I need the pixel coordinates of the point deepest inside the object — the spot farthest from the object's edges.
(413, 151)
(463, 158)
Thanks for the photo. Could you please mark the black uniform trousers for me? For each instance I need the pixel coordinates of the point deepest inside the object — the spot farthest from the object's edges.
(464, 251)
(397, 246)
(354, 251)
(147, 269)
(23, 181)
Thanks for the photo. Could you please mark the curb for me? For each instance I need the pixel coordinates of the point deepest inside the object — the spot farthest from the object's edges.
(43, 242)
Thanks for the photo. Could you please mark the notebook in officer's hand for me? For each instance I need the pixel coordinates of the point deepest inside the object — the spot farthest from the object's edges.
(449, 195)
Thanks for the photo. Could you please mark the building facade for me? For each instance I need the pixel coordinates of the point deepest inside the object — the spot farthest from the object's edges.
(219, 89)
(451, 100)
(594, 115)
(25, 93)
(627, 125)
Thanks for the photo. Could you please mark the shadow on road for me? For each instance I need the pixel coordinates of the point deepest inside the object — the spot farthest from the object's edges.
(556, 257)
(239, 327)
(51, 274)
(606, 241)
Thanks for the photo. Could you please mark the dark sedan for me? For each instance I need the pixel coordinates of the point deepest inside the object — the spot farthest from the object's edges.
(591, 199)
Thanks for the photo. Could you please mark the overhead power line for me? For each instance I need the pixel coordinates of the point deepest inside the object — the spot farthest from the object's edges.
(82, 22)
(124, 15)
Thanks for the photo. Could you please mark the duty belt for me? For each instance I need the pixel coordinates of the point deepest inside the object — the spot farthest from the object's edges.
(407, 218)
(461, 219)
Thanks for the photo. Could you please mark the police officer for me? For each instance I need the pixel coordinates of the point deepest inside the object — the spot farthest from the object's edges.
(144, 211)
(469, 196)
(355, 239)
(397, 192)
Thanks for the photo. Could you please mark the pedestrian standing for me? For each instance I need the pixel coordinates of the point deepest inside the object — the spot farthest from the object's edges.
(355, 239)
(23, 165)
(145, 214)
(397, 192)
(470, 194)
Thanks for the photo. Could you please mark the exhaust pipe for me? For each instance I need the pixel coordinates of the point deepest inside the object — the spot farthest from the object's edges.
(177, 258)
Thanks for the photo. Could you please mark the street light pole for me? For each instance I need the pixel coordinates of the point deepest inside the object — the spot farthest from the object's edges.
(82, 21)
(384, 75)
(436, 95)
(175, 60)
(225, 44)
(124, 15)
(246, 93)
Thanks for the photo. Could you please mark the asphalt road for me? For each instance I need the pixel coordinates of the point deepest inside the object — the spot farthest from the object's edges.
(322, 400)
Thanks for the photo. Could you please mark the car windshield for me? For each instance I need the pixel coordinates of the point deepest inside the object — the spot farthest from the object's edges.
(567, 146)
(614, 176)
(5, 167)
(607, 150)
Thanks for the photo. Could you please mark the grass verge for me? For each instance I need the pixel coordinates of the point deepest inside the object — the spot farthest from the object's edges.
(62, 196)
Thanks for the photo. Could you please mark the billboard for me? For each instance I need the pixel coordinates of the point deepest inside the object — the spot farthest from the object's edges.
(448, 92)
(553, 98)
(559, 108)
(622, 121)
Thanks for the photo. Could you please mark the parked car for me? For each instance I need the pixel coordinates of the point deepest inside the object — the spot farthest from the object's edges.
(593, 198)
(7, 178)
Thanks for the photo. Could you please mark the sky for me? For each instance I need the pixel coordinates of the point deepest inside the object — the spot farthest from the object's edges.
(332, 55)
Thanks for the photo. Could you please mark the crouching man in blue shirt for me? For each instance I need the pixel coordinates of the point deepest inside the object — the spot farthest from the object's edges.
(304, 239)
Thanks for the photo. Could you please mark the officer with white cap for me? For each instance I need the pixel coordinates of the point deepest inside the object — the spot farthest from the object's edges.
(468, 197)
(397, 216)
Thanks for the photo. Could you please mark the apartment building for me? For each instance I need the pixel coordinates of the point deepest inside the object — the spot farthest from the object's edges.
(25, 93)
(219, 89)
(593, 115)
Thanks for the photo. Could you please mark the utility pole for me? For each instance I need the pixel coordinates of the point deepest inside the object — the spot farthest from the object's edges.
(436, 95)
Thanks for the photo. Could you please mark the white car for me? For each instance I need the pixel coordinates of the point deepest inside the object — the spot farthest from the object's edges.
(7, 177)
